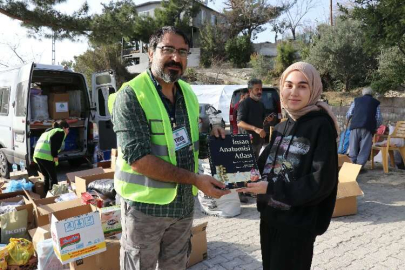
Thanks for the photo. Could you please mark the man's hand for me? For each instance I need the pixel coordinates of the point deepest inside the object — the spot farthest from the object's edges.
(210, 186)
(269, 118)
(261, 132)
(217, 131)
(256, 188)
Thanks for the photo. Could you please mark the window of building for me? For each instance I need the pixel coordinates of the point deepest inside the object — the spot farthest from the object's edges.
(144, 13)
(213, 19)
(4, 100)
(202, 16)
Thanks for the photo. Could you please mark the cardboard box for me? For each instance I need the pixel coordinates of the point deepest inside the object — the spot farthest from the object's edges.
(71, 176)
(77, 233)
(108, 260)
(39, 185)
(114, 155)
(18, 175)
(27, 206)
(83, 182)
(104, 164)
(44, 207)
(40, 234)
(342, 159)
(58, 105)
(110, 219)
(199, 244)
(348, 190)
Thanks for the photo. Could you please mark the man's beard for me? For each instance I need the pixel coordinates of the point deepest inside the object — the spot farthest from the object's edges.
(170, 76)
(255, 97)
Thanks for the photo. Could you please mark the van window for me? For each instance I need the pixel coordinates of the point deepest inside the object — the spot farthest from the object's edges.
(21, 99)
(4, 100)
(101, 100)
(103, 79)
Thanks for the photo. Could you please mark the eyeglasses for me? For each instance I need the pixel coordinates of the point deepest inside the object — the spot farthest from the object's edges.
(169, 50)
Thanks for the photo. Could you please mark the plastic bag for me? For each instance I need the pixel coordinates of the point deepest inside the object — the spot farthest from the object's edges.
(16, 185)
(66, 197)
(59, 189)
(20, 251)
(104, 186)
(14, 225)
(226, 206)
(47, 258)
(3, 257)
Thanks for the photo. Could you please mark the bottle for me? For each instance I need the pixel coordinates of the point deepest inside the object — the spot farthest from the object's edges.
(22, 166)
(15, 168)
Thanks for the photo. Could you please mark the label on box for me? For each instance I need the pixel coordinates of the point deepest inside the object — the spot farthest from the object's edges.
(111, 220)
(61, 107)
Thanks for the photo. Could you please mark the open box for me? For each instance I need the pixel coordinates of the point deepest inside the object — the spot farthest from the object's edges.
(46, 206)
(348, 190)
(77, 233)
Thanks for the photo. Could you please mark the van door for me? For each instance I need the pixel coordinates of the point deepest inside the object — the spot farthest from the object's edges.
(20, 105)
(103, 85)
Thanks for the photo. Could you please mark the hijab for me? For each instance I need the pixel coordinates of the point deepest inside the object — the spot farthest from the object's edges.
(315, 86)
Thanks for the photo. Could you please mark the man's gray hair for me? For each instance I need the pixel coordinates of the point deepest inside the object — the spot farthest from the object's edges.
(367, 91)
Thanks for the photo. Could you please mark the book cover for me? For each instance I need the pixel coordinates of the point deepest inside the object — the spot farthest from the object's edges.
(232, 160)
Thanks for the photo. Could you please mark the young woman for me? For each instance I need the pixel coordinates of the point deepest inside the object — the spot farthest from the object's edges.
(300, 173)
(47, 149)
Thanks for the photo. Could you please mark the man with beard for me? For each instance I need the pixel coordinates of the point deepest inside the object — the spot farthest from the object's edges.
(155, 116)
(252, 116)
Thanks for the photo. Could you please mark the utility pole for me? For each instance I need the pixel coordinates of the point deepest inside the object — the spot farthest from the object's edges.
(53, 48)
(331, 13)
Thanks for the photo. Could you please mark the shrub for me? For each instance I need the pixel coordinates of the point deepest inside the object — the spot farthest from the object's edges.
(238, 50)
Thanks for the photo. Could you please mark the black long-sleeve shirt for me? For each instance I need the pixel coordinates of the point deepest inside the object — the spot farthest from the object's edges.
(302, 172)
(56, 142)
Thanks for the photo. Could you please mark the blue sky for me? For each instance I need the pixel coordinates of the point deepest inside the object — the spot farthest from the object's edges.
(41, 50)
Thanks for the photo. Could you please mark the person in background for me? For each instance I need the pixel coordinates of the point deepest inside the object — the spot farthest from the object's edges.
(365, 117)
(244, 93)
(252, 116)
(155, 117)
(46, 152)
(299, 169)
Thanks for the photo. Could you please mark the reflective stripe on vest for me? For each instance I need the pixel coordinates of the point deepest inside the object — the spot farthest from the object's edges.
(134, 186)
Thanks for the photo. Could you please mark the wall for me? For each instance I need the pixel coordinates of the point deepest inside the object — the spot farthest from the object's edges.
(392, 110)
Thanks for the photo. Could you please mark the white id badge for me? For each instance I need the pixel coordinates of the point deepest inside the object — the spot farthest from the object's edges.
(181, 138)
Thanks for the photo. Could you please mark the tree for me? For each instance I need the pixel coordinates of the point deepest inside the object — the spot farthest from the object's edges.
(247, 17)
(213, 39)
(339, 51)
(295, 12)
(43, 20)
(16, 55)
(178, 13)
(383, 22)
(286, 55)
(278, 27)
(391, 70)
(238, 50)
(102, 57)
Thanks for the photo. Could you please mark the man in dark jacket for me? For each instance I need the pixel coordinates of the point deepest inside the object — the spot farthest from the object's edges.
(365, 119)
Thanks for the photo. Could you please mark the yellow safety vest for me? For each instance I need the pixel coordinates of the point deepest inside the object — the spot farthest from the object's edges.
(134, 186)
(43, 147)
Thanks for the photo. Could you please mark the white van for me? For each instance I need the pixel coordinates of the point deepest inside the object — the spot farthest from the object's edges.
(32, 96)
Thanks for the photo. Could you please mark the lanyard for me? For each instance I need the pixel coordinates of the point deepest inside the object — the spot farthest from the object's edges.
(171, 112)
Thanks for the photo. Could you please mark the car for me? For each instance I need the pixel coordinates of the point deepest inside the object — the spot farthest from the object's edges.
(270, 99)
(209, 116)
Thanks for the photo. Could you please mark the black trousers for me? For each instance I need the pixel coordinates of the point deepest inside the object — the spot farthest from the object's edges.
(48, 169)
(284, 249)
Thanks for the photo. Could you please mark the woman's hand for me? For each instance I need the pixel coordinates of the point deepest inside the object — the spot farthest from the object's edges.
(256, 188)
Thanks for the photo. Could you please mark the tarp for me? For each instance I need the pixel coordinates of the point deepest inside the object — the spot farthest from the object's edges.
(218, 96)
